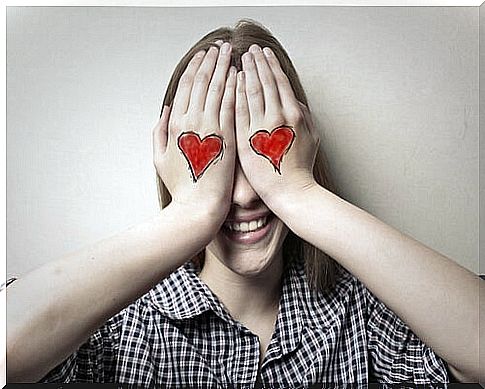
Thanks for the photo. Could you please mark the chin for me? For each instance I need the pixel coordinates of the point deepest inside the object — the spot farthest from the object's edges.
(250, 253)
(251, 265)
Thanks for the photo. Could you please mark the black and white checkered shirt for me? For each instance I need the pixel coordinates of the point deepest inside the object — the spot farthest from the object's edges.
(180, 335)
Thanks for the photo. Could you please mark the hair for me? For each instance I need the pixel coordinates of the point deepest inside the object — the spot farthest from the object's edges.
(319, 268)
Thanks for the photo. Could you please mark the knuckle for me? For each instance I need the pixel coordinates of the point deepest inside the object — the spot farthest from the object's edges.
(191, 125)
(185, 80)
(294, 115)
(227, 103)
(254, 92)
(266, 81)
(282, 79)
(240, 87)
(215, 88)
(240, 110)
(228, 107)
(277, 119)
(201, 78)
(193, 122)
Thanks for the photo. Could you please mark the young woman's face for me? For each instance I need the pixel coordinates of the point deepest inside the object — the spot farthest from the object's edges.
(252, 236)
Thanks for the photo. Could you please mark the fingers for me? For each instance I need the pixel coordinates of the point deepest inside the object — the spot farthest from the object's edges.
(286, 94)
(254, 91)
(184, 88)
(227, 104)
(216, 87)
(242, 108)
(160, 133)
(270, 91)
(201, 81)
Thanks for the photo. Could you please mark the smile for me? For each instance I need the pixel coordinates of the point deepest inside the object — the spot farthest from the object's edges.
(250, 231)
(250, 226)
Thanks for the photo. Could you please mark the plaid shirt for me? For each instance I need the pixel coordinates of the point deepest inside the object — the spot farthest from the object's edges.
(180, 335)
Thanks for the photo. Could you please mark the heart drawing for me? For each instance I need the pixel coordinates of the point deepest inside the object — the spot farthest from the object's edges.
(199, 153)
(274, 145)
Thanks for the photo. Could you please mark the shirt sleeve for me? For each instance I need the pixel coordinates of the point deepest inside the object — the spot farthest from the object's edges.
(94, 360)
(396, 354)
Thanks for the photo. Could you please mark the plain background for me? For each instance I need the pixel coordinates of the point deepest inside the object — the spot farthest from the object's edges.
(393, 90)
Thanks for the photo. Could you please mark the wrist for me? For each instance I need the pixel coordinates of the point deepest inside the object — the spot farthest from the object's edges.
(290, 198)
(204, 218)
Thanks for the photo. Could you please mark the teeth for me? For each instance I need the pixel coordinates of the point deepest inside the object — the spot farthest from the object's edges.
(253, 225)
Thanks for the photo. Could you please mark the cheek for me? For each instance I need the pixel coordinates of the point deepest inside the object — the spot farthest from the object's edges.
(281, 231)
(219, 246)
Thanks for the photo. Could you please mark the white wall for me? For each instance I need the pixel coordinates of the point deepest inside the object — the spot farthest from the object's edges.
(394, 90)
(481, 357)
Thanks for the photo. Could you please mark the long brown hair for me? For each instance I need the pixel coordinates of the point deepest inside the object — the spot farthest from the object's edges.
(319, 267)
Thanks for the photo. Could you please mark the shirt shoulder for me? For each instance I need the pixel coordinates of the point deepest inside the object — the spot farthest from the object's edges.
(396, 353)
(95, 359)
(351, 314)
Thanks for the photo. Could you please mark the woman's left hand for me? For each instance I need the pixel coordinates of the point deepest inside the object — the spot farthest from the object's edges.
(276, 140)
(434, 284)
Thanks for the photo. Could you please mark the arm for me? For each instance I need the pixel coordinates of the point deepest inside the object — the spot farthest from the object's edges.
(54, 309)
(436, 297)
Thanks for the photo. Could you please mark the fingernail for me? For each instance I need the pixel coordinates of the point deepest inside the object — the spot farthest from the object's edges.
(255, 48)
(200, 54)
(241, 75)
(267, 52)
(213, 49)
(225, 48)
(247, 58)
(232, 70)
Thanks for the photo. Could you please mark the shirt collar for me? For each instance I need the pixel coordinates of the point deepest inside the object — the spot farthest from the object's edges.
(183, 295)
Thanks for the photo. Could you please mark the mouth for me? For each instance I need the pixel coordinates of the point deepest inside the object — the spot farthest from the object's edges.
(248, 231)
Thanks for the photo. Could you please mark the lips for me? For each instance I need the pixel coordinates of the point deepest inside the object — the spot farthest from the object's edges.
(249, 230)
(246, 226)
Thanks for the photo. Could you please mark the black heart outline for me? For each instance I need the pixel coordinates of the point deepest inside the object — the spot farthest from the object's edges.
(277, 169)
(217, 157)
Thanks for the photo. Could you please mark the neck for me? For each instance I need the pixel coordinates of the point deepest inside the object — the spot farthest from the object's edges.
(246, 298)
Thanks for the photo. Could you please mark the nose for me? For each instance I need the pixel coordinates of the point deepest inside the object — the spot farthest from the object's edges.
(243, 195)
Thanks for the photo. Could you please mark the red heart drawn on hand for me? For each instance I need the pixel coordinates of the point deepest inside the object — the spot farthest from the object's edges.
(199, 153)
(273, 146)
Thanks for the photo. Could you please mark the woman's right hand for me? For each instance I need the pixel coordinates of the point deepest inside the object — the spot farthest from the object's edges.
(194, 141)
(51, 310)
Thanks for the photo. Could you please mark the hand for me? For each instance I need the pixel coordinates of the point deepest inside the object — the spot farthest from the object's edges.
(277, 142)
(194, 142)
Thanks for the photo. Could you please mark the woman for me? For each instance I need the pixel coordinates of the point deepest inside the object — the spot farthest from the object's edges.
(229, 284)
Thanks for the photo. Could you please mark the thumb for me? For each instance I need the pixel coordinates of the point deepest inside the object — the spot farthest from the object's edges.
(160, 132)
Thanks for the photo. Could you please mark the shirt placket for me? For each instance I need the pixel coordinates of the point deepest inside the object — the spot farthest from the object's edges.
(245, 373)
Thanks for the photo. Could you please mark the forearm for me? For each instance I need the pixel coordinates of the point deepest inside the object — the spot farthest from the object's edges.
(55, 308)
(436, 297)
